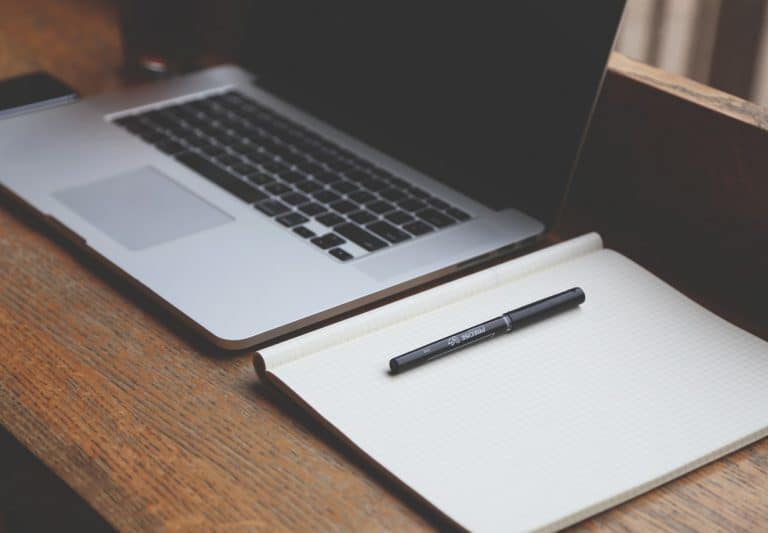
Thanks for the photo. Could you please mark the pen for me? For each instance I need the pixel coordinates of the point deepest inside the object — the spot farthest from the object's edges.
(515, 319)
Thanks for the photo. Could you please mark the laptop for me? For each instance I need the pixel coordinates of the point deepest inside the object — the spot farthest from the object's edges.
(358, 150)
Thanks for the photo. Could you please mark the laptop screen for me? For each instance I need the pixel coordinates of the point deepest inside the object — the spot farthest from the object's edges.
(489, 98)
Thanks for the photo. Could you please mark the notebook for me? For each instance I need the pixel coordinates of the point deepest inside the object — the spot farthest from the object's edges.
(545, 426)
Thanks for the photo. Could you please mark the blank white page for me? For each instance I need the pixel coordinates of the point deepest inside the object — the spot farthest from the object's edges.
(547, 425)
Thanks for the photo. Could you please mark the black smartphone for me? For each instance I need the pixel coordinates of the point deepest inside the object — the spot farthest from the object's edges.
(31, 92)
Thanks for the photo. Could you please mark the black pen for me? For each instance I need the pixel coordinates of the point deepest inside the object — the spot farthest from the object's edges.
(515, 319)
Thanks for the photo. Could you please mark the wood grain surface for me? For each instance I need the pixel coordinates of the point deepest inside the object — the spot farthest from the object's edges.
(155, 429)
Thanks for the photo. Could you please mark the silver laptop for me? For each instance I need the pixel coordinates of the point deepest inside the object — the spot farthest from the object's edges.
(375, 148)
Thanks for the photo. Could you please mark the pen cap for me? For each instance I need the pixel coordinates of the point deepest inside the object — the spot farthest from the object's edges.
(544, 308)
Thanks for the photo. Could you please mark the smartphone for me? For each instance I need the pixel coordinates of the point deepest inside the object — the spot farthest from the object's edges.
(32, 92)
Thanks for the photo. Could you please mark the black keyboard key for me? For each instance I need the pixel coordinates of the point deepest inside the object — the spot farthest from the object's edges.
(259, 178)
(292, 219)
(327, 177)
(304, 232)
(388, 231)
(293, 176)
(458, 214)
(243, 169)
(308, 186)
(228, 160)
(311, 168)
(340, 254)
(277, 188)
(397, 182)
(374, 184)
(221, 177)
(380, 207)
(412, 204)
(258, 156)
(343, 206)
(272, 207)
(359, 236)
(362, 217)
(274, 166)
(361, 197)
(436, 218)
(294, 198)
(326, 197)
(393, 195)
(153, 137)
(170, 147)
(344, 187)
(329, 240)
(418, 228)
(211, 150)
(330, 219)
(312, 209)
(399, 217)
(418, 193)
(438, 203)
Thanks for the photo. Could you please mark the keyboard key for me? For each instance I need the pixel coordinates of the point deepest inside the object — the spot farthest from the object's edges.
(292, 219)
(312, 209)
(243, 169)
(277, 188)
(458, 214)
(326, 197)
(311, 168)
(388, 231)
(438, 203)
(412, 204)
(374, 184)
(418, 228)
(362, 217)
(330, 220)
(393, 195)
(418, 193)
(259, 178)
(228, 160)
(308, 186)
(272, 207)
(329, 240)
(344, 187)
(221, 177)
(170, 147)
(294, 198)
(327, 177)
(380, 207)
(211, 150)
(436, 218)
(293, 176)
(304, 232)
(274, 167)
(361, 197)
(343, 206)
(340, 254)
(399, 217)
(360, 237)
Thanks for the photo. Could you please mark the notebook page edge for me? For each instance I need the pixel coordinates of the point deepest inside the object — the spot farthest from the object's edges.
(401, 310)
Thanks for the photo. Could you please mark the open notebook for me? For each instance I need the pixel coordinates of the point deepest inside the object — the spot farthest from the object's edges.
(549, 424)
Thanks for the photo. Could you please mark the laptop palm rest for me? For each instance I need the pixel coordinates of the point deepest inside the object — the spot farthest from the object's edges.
(141, 208)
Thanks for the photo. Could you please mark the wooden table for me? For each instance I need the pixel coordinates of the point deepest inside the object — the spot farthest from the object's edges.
(154, 429)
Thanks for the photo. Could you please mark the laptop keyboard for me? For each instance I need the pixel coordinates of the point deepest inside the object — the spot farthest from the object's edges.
(339, 202)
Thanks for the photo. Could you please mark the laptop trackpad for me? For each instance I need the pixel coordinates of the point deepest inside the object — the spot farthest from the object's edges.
(142, 208)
